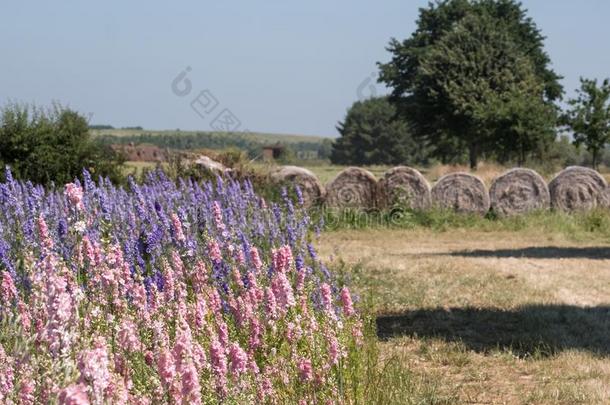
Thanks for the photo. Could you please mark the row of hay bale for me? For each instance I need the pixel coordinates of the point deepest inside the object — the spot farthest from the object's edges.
(515, 192)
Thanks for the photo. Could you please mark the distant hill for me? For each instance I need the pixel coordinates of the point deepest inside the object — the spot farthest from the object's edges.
(252, 142)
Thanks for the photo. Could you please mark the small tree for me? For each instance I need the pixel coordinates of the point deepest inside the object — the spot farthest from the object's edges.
(589, 117)
(372, 134)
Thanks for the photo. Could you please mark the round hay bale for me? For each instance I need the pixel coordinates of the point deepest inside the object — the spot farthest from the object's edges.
(352, 188)
(461, 192)
(311, 188)
(207, 163)
(518, 191)
(577, 188)
(404, 186)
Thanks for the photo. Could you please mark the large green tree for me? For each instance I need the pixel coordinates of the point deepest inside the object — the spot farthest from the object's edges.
(372, 134)
(474, 76)
(589, 117)
(51, 145)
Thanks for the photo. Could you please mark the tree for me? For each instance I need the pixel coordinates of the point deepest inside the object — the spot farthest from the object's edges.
(589, 117)
(372, 134)
(469, 76)
(45, 145)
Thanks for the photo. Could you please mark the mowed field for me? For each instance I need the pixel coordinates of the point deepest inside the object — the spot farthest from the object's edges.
(473, 317)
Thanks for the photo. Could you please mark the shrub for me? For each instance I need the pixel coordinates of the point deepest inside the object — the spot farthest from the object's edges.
(51, 145)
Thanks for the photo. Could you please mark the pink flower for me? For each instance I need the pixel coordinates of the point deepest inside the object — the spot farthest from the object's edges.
(6, 373)
(75, 394)
(254, 340)
(305, 369)
(75, 195)
(219, 367)
(282, 259)
(270, 304)
(26, 391)
(346, 300)
(8, 290)
(217, 211)
(326, 294)
(238, 359)
(93, 366)
(223, 333)
(127, 336)
(166, 367)
(43, 231)
(334, 351)
(191, 390)
(283, 290)
(214, 249)
(199, 276)
(177, 227)
(256, 260)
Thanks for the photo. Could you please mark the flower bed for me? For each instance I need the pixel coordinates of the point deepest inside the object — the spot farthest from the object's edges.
(166, 293)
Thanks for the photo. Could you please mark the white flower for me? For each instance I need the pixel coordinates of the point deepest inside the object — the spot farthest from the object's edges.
(80, 227)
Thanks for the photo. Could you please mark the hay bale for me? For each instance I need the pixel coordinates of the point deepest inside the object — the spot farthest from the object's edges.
(404, 186)
(311, 188)
(518, 191)
(207, 163)
(578, 188)
(352, 188)
(461, 192)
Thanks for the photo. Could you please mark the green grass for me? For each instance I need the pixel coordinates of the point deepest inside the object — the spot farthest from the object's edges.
(578, 225)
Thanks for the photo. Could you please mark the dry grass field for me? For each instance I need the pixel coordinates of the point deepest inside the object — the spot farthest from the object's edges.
(477, 317)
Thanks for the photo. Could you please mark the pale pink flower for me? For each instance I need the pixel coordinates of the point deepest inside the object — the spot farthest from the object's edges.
(256, 260)
(26, 391)
(346, 300)
(238, 359)
(93, 366)
(217, 210)
(166, 367)
(283, 291)
(177, 227)
(254, 341)
(327, 300)
(191, 390)
(43, 231)
(219, 366)
(236, 275)
(270, 304)
(214, 249)
(127, 336)
(334, 351)
(282, 259)
(305, 370)
(75, 394)
(6, 373)
(223, 333)
(199, 276)
(8, 291)
(75, 195)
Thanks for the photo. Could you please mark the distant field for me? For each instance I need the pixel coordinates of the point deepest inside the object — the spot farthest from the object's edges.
(254, 136)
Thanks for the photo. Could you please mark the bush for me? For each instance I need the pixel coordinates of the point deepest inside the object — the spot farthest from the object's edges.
(52, 145)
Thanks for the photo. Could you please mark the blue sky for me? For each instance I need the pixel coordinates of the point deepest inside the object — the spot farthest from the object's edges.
(277, 66)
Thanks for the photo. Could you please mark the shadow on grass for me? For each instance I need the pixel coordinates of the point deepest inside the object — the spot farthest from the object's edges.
(536, 330)
(542, 252)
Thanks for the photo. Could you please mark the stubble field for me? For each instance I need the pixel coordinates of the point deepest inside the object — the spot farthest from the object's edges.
(468, 316)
